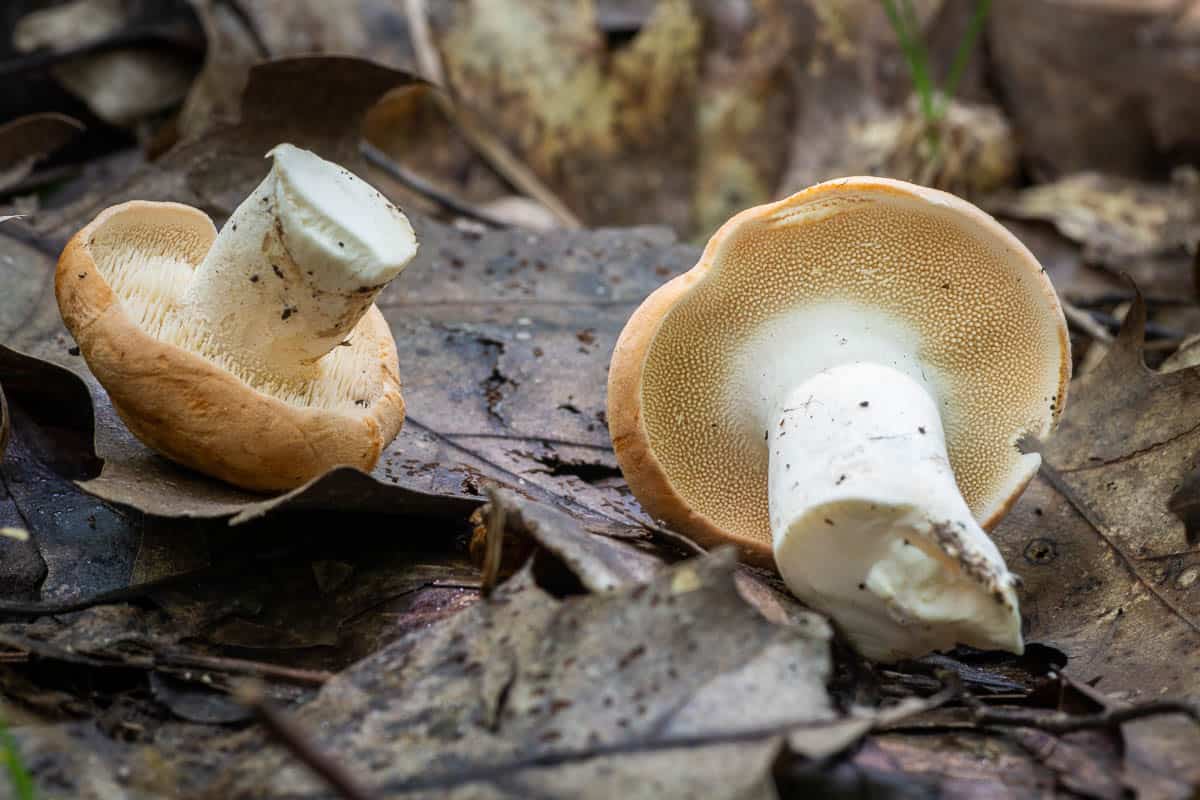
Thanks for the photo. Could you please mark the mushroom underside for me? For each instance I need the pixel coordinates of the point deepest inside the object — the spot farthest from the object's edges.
(148, 255)
(873, 277)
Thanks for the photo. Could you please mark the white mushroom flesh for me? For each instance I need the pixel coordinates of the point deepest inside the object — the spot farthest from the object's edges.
(869, 525)
(298, 263)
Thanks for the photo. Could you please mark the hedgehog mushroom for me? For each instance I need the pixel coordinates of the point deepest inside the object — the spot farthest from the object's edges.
(840, 383)
(256, 355)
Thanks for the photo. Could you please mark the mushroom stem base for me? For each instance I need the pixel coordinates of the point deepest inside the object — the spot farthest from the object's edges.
(868, 523)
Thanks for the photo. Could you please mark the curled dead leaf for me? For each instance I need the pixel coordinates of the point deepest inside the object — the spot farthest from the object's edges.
(26, 141)
(119, 84)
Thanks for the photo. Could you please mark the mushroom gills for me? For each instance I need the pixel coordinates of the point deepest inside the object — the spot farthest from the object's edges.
(275, 294)
(868, 524)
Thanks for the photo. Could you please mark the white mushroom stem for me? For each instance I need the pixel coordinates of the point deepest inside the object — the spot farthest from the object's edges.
(869, 525)
(297, 264)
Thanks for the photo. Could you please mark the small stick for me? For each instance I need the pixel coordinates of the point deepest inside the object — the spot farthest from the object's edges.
(642, 745)
(1060, 722)
(1086, 322)
(290, 734)
(478, 136)
(411, 180)
(245, 667)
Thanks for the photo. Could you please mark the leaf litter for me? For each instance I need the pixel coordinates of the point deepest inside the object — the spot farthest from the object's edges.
(507, 391)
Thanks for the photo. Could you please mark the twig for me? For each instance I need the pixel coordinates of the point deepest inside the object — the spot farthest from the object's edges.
(23, 649)
(1086, 323)
(416, 183)
(638, 746)
(125, 594)
(424, 48)
(283, 728)
(244, 667)
(1059, 722)
(481, 140)
(494, 545)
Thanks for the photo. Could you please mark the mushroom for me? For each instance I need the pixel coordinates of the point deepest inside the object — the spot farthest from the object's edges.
(841, 384)
(255, 355)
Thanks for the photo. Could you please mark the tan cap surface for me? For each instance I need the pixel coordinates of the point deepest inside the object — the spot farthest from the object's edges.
(959, 297)
(120, 283)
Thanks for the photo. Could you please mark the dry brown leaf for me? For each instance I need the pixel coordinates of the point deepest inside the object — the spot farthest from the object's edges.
(598, 563)
(26, 141)
(410, 126)
(1115, 219)
(1109, 86)
(256, 30)
(523, 677)
(1110, 578)
(1185, 356)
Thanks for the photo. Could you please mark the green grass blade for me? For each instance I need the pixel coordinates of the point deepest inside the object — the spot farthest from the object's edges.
(904, 22)
(18, 776)
(963, 54)
(922, 76)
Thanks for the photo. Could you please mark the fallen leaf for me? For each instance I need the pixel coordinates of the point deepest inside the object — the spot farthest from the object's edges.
(196, 703)
(1110, 577)
(122, 85)
(241, 36)
(1186, 355)
(1115, 219)
(949, 764)
(1107, 87)
(26, 141)
(491, 698)
(599, 564)
(603, 555)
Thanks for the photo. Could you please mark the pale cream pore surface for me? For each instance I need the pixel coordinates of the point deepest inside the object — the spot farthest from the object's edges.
(987, 324)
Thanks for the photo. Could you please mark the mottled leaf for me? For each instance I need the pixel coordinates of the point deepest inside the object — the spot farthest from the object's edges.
(1110, 578)
(510, 697)
(1114, 219)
